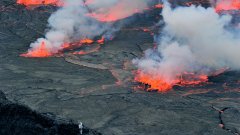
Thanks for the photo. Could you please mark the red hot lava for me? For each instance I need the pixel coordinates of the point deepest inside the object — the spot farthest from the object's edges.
(227, 5)
(159, 83)
(158, 6)
(101, 41)
(41, 51)
(118, 11)
(86, 41)
(39, 2)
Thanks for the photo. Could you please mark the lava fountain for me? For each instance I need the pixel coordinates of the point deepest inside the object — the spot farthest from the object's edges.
(41, 51)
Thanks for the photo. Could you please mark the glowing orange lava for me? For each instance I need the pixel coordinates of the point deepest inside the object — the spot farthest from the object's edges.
(155, 83)
(73, 45)
(101, 41)
(39, 2)
(86, 41)
(160, 84)
(227, 5)
(87, 52)
(117, 12)
(41, 51)
(191, 79)
(158, 6)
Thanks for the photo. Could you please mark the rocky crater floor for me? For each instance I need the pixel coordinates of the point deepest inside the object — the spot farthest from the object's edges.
(97, 89)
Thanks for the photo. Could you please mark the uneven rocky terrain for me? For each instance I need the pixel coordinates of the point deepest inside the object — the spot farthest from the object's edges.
(97, 88)
(20, 120)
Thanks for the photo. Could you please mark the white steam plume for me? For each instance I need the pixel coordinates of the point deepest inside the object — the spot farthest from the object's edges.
(194, 40)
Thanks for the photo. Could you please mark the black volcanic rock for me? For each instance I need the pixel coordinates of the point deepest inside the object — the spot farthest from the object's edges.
(230, 119)
(17, 119)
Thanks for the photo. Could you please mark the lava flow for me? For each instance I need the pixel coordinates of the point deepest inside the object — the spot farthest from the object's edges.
(110, 16)
(39, 2)
(160, 84)
(101, 41)
(74, 45)
(158, 6)
(86, 41)
(42, 51)
(155, 83)
(122, 9)
(227, 5)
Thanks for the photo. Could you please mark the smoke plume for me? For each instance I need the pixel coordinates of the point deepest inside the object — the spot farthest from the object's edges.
(194, 43)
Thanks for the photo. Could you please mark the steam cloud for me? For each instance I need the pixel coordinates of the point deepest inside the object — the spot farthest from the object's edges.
(77, 20)
(194, 40)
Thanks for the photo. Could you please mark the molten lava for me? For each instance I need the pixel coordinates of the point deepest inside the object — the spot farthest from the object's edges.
(158, 6)
(74, 45)
(101, 41)
(40, 52)
(227, 5)
(191, 79)
(81, 52)
(86, 41)
(39, 2)
(155, 83)
(117, 12)
(108, 17)
(162, 85)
